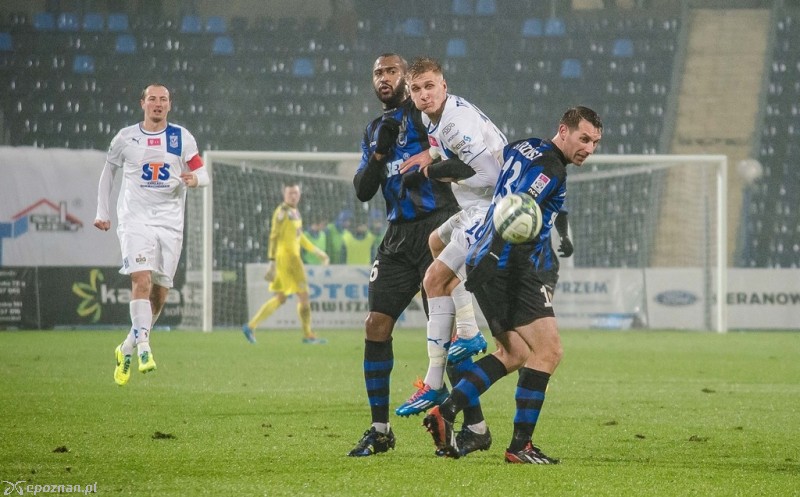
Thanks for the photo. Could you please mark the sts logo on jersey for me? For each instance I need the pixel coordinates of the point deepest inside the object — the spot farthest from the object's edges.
(155, 171)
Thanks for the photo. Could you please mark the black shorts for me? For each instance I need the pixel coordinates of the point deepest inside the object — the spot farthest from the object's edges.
(403, 257)
(516, 295)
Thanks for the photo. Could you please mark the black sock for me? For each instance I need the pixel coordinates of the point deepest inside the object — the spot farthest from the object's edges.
(475, 380)
(378, 364)
(473, 414)
(531, 387)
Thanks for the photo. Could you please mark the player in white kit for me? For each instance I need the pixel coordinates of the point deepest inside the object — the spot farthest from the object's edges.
(158, 161)
(470, 147)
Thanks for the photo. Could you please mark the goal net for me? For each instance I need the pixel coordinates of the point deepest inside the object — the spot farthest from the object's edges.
(649, 234)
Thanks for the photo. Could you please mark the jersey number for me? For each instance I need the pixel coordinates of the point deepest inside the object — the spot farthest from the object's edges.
(373, 274)
(548, 296)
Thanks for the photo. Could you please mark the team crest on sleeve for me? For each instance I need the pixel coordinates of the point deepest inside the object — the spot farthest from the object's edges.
(540, 183)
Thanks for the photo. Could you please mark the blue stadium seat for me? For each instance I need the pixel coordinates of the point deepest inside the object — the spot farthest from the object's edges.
(118, 22)
(6, 42)
(414, 27)
(126, 44)
(303, 67)
(44, 21)
(623, 47)
(554, 26)
(216, 24)
(456, 48)
(485, 8)
(93, 22)
(462, 7)
(68, 21)
(223, 45)
(532, 28)
(83, 64)
(571, 69)
(191, 24)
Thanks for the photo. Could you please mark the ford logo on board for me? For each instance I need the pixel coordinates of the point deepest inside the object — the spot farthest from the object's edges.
(676, 298)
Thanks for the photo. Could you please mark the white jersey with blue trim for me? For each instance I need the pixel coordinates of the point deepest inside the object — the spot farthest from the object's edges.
(152, 191)
(465, 132)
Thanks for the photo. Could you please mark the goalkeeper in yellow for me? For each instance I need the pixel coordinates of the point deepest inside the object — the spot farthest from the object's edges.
(285, 272)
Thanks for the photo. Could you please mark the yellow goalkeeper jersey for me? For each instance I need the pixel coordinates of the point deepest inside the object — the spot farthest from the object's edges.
(286, 234)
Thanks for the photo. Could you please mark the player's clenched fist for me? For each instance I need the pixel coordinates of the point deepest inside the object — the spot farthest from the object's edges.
(102, 225)
(387, 135)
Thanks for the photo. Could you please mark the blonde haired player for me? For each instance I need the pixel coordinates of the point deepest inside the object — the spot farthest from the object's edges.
(285, 271)
(470, 146)
(159, 160)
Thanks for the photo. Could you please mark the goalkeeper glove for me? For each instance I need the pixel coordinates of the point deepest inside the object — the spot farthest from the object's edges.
(387, 135)
(271, 269)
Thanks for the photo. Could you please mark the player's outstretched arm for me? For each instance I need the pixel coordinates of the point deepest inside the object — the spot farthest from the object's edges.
(422, 159)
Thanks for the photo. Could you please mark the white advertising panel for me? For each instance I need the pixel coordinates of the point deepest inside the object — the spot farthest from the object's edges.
(764, 299)
(600, 298)
(339, 296)
(48, 208)
(676, 298)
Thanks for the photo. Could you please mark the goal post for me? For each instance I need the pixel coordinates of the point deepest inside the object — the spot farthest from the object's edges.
(645, 215)
(654, 212)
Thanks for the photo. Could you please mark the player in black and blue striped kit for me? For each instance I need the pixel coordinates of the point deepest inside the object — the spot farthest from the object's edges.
(413, 212)
(514, 284)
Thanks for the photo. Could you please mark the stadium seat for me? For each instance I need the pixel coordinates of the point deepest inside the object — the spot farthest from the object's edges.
(83, 64)
(126, 44)
(216, 25)
(623, 47)
(485, 8)
(118, 22)
(223, 45)
(462, 7)
(554, 26)
(303, 67)
(6, 42)
(44, 21)
(532, 28)
(571, 69)
(68, 21)
(93, 22)
(191, 24)
(414, 27)
(456, 48)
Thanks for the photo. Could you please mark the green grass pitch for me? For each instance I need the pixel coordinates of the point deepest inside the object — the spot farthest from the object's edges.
(629, 414)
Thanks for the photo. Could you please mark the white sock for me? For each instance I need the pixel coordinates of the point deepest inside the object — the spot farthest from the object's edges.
(142, 319)
(479, 428)
(440, 327)
(129, 343)
(466, 325)
(381, 427)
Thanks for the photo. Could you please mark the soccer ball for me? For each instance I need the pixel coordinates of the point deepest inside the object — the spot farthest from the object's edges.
(517, 218)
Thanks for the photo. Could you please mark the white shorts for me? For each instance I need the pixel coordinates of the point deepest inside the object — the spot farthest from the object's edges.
(454, 234)
(149, 248)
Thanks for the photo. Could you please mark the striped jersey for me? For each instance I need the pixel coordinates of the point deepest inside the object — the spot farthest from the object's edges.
(538, 168)
(414, 203)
